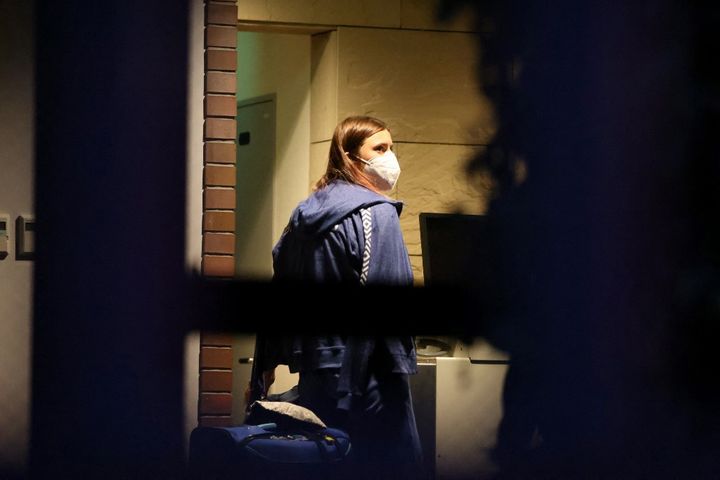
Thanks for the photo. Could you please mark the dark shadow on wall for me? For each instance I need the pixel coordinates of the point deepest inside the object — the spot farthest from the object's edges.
(607, 276)
(109, 306)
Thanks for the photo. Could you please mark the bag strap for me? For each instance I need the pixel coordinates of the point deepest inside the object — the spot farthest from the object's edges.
(257, 385)
(367, 231)
(321, 440)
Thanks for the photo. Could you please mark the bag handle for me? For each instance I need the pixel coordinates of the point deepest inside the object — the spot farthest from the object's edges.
(320, 440)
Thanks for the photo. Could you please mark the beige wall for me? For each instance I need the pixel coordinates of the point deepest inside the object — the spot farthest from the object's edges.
(394, 60)
(194, 140)
(16, 198)
(405, 14)
(279, 64)
(194, 189)
(422, 83)
(274, 63)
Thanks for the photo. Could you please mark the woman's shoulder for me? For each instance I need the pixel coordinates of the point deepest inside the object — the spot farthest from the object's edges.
(389, 209)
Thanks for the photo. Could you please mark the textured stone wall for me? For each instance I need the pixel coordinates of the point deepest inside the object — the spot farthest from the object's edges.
(406, 14)
(422, 83)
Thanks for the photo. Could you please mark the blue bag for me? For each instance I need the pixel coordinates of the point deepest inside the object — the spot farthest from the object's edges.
(266, 451)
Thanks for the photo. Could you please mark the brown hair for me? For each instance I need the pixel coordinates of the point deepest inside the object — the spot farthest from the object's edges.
(349, 136)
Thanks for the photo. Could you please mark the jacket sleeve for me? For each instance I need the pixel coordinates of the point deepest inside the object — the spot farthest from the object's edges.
(389, 263)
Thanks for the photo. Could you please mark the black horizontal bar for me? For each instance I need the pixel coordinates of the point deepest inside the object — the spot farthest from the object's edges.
(296, 307)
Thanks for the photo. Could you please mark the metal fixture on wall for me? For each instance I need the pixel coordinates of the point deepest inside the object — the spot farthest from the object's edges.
(4, 237)
(24, 238)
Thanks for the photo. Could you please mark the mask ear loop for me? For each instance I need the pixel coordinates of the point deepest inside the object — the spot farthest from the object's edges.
(351, 155)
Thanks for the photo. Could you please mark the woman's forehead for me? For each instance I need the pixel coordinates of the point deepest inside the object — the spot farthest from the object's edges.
(383, 136)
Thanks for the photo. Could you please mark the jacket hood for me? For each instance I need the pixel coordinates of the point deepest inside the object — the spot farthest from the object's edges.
(328, 206)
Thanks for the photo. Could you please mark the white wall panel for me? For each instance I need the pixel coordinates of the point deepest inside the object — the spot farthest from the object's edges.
(469, 410)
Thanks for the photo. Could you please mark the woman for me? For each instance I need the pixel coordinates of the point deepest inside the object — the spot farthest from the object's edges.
(347, 231)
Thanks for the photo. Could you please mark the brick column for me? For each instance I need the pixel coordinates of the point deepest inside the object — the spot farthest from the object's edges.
(218, 246)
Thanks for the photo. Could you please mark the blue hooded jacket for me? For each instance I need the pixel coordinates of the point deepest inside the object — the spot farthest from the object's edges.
(343, 233)
(325, 241)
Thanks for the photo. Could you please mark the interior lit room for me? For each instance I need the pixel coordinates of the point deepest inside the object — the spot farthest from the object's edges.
(518, 277)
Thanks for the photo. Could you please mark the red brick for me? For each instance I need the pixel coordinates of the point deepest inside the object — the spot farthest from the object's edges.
(219, 222)
(219, 198)
(216, 381)
(223, 243)
(216, 36)
(220, 152)
(221, 14)
(220, 106)
(216, 357)
(220, 176)
(206, 421)
(215, 404)
(216, 59)
(216, 339)
(220, 82)
(218, 266)
(220, 128)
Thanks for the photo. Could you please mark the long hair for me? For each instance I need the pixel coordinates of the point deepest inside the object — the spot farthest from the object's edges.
(348, 137)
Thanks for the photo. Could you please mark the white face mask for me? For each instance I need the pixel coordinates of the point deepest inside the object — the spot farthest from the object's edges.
(384, 170)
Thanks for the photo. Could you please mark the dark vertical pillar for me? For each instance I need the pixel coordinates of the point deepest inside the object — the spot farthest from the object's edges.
(110, 171)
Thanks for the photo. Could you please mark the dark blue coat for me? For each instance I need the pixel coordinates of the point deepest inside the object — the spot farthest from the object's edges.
(343, 233)
(325, 241)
